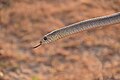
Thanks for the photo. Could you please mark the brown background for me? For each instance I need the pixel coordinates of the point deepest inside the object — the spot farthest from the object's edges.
(88, 55)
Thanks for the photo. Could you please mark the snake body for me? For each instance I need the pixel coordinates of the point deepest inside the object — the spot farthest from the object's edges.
(80, 26)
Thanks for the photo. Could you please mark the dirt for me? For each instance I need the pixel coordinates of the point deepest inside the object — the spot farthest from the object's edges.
(88, 55)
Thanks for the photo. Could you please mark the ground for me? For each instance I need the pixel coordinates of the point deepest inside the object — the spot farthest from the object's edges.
(88, 55)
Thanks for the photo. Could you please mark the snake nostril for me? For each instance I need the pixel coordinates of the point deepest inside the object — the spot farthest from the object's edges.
(40, 42)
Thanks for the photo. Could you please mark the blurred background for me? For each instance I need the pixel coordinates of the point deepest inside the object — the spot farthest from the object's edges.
(88, 55)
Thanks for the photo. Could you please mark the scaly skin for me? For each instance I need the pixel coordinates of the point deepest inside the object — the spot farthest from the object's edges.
(80, 26)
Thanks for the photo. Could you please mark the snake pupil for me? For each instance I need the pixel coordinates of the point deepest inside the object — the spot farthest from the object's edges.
(45, 38)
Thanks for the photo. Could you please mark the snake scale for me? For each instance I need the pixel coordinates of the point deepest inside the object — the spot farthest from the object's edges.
(80, 26)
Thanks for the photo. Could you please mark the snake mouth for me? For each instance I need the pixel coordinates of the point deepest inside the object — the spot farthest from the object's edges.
(38, 45)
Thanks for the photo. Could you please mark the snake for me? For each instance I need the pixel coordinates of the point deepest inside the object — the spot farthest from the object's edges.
(79, 26)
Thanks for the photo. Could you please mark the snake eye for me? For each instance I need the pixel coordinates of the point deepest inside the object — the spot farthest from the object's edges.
(45, 38)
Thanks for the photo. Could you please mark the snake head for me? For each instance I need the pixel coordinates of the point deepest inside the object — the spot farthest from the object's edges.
(44, 40)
